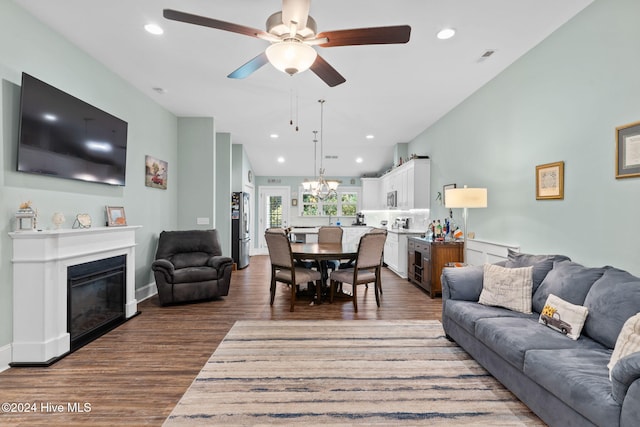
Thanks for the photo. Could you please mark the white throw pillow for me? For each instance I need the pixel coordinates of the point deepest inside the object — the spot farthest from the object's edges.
(507, 287)
(563, 316)
(628, 341)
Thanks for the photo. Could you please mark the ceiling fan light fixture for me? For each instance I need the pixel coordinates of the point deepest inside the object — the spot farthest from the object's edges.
(291, 56)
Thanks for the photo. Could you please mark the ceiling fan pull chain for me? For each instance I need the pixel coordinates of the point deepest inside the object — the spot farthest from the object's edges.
(297, 111)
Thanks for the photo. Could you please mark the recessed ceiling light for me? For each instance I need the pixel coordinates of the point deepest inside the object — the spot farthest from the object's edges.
(369, 136)
(274, 136)
(446, 33)
(154, 29)
(280, 159)
(359, 160)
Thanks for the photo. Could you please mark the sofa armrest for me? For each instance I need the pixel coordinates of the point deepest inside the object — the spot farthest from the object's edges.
(463, 283)
(623, 374)
(219, 262)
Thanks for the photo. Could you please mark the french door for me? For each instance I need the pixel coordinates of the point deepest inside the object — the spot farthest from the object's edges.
(273, 210)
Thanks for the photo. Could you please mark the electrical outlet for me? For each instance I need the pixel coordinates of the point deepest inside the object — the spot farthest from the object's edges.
(202, 221)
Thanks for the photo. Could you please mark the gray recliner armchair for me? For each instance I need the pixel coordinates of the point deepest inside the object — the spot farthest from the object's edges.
(189, 266)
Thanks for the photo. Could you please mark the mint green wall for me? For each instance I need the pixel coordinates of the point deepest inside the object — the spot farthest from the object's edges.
(222, 193)
(560, 102)
(196, 159)
(27, 45)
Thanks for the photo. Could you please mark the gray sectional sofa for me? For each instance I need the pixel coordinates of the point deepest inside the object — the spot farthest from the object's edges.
(565, 382)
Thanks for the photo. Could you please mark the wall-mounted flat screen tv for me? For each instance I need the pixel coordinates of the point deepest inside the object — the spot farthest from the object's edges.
(65, 137)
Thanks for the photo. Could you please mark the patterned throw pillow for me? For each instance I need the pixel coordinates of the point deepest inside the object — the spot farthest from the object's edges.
(563, 316)
(628, 341)
(507, 287)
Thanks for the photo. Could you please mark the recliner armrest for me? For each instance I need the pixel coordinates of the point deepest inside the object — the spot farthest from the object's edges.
(219, 261)
(163, 265)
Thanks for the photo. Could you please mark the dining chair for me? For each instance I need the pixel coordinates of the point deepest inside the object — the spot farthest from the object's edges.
(330, 234)
(283, 268)
(367, 267)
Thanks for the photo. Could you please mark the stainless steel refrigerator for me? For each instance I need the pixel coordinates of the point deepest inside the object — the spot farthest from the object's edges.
(240, 239)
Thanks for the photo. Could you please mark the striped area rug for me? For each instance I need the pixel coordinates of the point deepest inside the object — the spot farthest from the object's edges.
(345, 373)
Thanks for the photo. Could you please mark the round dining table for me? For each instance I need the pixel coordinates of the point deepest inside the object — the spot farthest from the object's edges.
(323, 252)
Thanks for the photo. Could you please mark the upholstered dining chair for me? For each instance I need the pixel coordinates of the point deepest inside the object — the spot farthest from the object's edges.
(330, 234)
(283, 268)
(366, 269)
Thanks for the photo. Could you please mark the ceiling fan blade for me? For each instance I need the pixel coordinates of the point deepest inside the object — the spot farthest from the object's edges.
(360, 36)
(189, 18)
(296, 11)
(326, 72)
(249, 67)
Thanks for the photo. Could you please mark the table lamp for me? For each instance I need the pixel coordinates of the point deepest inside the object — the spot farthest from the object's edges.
(465, 198)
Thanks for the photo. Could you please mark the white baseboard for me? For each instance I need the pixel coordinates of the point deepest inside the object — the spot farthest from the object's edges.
(5, 357)
(146, 291)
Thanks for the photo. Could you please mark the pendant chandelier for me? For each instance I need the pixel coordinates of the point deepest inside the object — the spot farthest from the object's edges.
(320, 187)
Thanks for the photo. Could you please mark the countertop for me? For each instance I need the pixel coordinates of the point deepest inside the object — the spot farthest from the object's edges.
(405, 231)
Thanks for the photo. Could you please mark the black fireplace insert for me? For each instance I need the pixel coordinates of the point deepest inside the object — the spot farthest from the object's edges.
(96, 298)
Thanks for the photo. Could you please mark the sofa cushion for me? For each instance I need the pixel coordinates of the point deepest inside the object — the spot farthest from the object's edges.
(463, 283)
(628, 341)
(466, 313)
(512, 337)
(507, 287)
(563, 316)
(579, 378)
(567, 280)
(541, 264)
(611, 301)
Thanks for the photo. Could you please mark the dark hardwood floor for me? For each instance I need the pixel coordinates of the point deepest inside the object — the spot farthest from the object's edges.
(135, 374)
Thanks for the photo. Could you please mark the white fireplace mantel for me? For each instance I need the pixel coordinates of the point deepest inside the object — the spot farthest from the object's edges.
(40, 262)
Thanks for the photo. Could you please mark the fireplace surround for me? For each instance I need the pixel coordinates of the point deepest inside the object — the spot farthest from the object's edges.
(41, 262)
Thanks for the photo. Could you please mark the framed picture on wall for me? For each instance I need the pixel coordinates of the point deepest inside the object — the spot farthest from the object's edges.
(628, 150)
(550, 181)
(116, 216)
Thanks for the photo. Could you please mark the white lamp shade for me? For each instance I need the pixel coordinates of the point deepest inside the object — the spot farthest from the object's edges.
(291, 56)
(465, 198)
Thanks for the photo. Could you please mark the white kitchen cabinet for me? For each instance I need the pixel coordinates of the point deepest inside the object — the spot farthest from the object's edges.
(391, 252)
(371, 194)
(411, 181)
(396, 252)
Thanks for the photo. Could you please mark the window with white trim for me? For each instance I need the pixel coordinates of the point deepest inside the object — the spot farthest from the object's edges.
(344, 203)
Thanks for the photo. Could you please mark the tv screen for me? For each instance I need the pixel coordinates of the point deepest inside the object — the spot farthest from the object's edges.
(62, 136)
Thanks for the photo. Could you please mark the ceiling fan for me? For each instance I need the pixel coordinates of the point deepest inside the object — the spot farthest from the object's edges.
(292, 33)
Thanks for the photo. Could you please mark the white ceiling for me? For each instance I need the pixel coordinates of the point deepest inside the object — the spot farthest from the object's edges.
(393, 92)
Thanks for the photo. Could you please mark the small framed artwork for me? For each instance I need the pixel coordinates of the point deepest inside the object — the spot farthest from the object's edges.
(550, 181)
(155, 172)
(628, 150)
(116, 216)
(444, 192)
(294, 202)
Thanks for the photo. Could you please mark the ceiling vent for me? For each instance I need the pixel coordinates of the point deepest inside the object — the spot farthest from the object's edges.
(486, 55)
(333, 157)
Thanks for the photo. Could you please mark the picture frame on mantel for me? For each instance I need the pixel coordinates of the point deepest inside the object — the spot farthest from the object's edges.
(628, 150)
(116, 216)
(550, 181)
